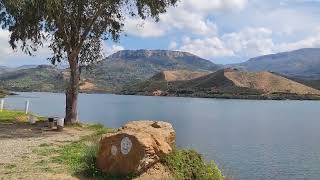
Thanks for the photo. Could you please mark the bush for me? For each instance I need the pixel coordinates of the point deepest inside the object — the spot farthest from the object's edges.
(188, 164)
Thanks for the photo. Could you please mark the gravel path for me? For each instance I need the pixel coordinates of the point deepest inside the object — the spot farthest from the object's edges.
(17, 145)
(19, 159)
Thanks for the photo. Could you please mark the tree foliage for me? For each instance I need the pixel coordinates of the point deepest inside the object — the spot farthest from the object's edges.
(72, 26)
(74, 30)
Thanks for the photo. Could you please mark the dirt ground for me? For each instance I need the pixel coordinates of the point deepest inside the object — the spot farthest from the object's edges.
(18, 142)
(19, 159)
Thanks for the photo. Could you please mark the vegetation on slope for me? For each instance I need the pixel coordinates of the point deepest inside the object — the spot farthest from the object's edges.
(2, 93)
(41, 78)
(228, 83)
(303, 63)
(108, 75)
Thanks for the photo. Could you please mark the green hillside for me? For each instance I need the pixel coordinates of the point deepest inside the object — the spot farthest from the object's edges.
(41, 78)
(109, 75)
(2, 93)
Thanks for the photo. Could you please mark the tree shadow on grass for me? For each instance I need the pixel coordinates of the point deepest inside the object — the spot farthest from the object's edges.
(18, 130)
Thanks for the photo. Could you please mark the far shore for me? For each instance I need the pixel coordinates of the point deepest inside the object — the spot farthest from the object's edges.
(277, 97)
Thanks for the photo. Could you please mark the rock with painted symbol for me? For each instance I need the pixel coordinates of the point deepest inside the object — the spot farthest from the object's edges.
(136, 147)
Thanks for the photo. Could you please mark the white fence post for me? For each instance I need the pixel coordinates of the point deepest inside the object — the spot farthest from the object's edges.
(1, 105)
(27, 107)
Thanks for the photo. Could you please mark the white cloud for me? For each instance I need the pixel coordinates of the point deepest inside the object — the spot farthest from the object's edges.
(250, 42)
(143, 28)
(245, 44)
(286, 21)
(108, 50)
(173, 45)
(312, 41)
(182, 19)
(189, 15)
(208, 47)
(209, 6)
(10, 56)
(4, 43)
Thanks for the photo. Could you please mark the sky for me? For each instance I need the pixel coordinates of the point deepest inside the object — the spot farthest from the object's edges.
(222, 31)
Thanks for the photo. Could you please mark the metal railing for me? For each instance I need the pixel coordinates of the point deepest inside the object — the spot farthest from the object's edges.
(26, 106)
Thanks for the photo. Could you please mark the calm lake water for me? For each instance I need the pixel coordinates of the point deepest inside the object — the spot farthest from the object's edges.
(248, 139)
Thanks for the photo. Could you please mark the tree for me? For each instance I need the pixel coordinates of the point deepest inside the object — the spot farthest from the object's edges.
(74, 29)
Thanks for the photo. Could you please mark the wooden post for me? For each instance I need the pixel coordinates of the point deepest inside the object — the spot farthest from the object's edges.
(1, 105)
(26, 107)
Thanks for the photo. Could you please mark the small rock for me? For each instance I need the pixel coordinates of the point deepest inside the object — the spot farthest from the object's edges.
(136, 147)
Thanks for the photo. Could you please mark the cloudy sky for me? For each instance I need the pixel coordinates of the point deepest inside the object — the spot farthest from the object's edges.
(223, 31)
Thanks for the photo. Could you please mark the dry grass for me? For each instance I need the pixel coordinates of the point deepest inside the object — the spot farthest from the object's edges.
(182, 75)
(268, 82)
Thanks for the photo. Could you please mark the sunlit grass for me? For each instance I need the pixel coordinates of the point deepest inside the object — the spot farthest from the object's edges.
(7, 116)
(10, 116)
(188, 164)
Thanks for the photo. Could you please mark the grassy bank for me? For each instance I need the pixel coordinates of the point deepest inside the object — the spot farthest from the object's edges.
(7, 116)
(10, 116)
(80, 158)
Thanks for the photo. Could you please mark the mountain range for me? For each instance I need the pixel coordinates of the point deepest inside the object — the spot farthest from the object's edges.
(108, 75)
(301, 64)
(132, 66)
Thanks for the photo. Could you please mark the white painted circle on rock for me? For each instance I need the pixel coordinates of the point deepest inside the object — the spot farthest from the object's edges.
(114, 150)
(126, 145)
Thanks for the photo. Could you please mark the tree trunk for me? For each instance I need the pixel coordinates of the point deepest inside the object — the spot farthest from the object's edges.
(72, 91)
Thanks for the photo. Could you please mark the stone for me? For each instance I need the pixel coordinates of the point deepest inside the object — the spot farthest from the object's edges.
(135, 148)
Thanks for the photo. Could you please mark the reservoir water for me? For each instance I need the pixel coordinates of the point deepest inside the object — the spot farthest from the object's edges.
(248, 139)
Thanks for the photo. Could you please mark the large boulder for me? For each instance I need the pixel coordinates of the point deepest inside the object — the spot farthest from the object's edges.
(136, 147)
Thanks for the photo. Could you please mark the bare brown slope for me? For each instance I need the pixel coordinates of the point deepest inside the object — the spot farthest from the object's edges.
(213, 80)
(163, 81)
(268, 82)
(180, 75)
(227, 83)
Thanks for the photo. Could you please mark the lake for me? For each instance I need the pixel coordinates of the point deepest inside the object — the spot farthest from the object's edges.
(248, 139)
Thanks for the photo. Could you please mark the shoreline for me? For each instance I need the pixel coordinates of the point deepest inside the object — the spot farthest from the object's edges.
(290, 97)
(280, 97)
(72, 153)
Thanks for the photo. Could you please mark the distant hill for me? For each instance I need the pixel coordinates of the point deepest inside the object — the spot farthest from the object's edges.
(4, 69)
(2, 93)
(228, 83)
(162, 80)
(40, 78)
(178, 75)
(108, 75)
(302, 64)
(130, 66)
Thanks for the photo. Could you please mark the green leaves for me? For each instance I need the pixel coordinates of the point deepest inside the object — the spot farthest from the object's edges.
(72, 26)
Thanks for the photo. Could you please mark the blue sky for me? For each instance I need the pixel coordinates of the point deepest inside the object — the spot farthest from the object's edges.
(223, 31)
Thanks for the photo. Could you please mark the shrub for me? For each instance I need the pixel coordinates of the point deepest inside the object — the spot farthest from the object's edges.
(188, 164)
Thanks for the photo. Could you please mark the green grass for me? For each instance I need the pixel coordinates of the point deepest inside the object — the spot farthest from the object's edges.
(10, 116)
(188, 164)
(10, 166)
(80, 158)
